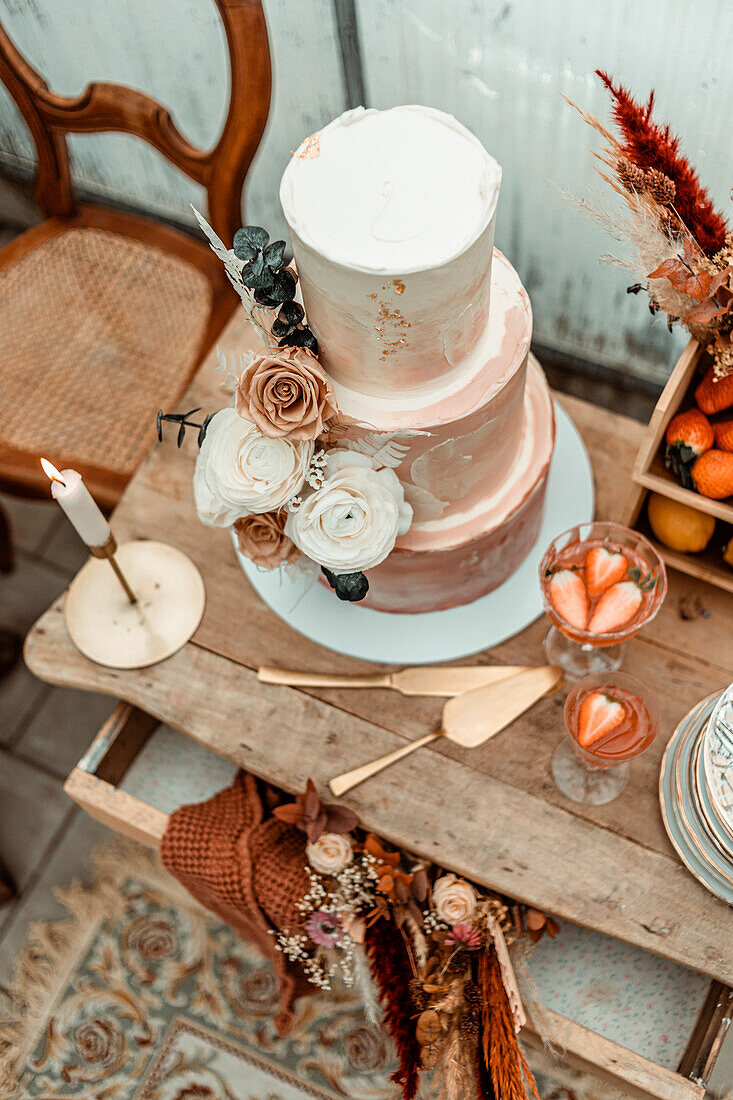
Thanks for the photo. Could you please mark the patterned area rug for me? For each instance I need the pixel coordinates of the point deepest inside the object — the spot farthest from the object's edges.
(143, 995)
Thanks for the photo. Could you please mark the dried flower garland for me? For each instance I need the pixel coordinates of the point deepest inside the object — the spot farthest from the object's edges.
(680, 249)
(436, 947)
(297, 480)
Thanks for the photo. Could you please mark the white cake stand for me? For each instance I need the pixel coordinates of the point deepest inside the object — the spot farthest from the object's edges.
(440, 635)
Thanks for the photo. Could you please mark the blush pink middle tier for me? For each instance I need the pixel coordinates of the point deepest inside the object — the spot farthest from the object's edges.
(477, 456)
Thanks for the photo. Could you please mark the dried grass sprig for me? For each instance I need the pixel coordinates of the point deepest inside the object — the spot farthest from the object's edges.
(503, 1056)
(647, 245)
(391, 971)
(452, 1079)
(650, 145)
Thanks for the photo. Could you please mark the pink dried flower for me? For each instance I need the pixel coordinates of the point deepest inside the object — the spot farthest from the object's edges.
(325, 928)
(464, 935)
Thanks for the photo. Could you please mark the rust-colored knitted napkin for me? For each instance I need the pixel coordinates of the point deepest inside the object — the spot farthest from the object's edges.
(246, 868)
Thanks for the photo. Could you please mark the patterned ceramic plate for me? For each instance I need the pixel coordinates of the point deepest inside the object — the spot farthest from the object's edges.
(711, 816)
(689, 811)
(680, 812)
(719, 777)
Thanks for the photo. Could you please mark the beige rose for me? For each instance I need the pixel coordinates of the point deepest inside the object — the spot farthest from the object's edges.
(454, 899)
(240, 472)
(351, 523)
(262, 539)
(285, 391)
(330, 853)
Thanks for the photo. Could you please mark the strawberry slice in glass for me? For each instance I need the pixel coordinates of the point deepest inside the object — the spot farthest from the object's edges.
(601, 583)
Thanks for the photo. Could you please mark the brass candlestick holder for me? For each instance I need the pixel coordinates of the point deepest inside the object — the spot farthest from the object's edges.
(138, 612)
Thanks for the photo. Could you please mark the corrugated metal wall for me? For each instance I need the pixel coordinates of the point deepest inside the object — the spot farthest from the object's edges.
(498, 65)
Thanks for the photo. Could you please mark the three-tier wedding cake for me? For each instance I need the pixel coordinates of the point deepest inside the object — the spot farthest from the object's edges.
(394, 429)
(424, 327)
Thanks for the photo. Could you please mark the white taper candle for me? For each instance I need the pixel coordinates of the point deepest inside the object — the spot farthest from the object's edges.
(82, 510)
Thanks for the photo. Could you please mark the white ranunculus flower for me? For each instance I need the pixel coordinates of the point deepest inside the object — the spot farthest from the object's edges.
(240, 472)
(454, 899)
(330, 853)
(351, 523)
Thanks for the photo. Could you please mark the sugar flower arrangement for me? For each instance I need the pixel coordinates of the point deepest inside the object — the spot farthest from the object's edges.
(297, 481)
(678, 246)
(434, 945)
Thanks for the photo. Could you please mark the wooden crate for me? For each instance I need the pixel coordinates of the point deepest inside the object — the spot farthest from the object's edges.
(649, 474)
(95, 784)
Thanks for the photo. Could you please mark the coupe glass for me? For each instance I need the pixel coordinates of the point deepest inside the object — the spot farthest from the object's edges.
(580, 651)
(599, 772)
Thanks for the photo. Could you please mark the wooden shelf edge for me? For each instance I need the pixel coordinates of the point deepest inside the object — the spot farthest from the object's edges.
(666, 487)
(641, 1078)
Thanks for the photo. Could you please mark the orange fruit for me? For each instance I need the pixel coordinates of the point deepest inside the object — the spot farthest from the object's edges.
(724, 435)
(689, 434)
(678, 526)
(712, 474)
(713, 397)
(690, 429)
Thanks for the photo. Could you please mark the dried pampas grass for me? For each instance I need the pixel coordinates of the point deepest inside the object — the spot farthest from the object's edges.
(646, 246)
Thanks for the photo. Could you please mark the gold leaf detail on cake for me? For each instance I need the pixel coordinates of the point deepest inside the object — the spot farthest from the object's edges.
(309, 149)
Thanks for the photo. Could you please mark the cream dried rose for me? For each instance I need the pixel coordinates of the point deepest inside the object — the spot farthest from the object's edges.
(351, 523)
(286, 392)
(454, 899)
(330, 853)
(239, 472)
(262, 539)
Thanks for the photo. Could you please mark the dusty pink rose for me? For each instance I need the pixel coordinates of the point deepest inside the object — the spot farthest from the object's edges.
(262, 539)
(285, 391)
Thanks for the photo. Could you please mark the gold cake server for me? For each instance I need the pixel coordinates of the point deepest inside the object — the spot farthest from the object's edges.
(470, 719)
(426, 680)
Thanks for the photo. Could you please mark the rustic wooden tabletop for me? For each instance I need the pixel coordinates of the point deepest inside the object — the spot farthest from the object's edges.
(492, 813)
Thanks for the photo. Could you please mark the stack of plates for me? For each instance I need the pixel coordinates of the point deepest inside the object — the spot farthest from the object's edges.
(696, 796)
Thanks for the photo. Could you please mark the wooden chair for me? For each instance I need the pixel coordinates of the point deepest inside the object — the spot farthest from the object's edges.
(104, 315)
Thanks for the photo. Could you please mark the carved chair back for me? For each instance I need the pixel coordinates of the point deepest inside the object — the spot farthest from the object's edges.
(103, 106)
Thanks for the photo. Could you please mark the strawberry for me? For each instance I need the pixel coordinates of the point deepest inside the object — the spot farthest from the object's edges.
(712, 474)
(724, 435)
(689, 434)
(616, 607)
(569, 597)
(603, 567)
(598, 715)
(713, 397)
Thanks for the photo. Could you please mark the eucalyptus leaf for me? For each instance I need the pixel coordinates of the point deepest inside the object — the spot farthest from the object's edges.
(291, 313)
(284, 286)
(274, 255)
(280, 328)
(256, 235)
(243, 247)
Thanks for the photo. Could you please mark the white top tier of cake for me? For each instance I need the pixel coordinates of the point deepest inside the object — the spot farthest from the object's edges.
(391, 217)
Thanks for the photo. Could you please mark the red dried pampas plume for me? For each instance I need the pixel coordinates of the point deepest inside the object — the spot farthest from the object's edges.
(501, 1051)
(651, 146)
(390, 966)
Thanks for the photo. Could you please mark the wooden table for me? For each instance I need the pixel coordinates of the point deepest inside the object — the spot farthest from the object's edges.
(492, 814)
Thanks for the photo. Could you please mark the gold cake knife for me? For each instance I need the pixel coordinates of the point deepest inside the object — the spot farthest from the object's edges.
(425, 680)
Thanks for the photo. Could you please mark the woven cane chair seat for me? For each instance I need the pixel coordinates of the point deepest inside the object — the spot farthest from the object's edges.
(98, 331)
